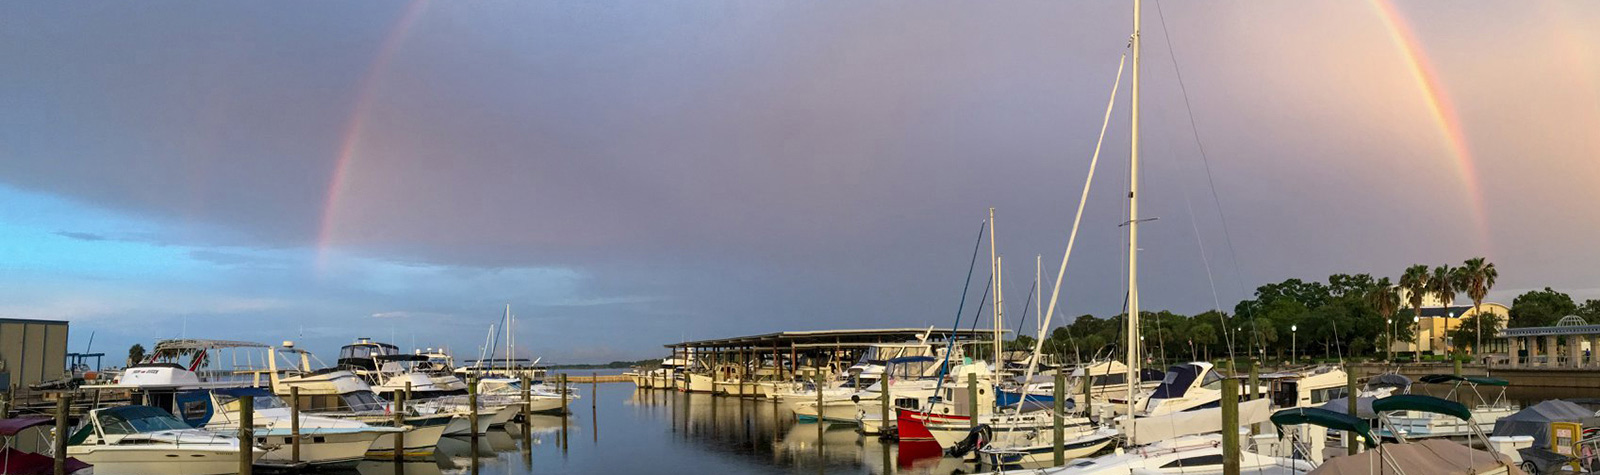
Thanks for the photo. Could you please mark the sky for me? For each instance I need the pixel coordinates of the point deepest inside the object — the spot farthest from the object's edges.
(630, 174)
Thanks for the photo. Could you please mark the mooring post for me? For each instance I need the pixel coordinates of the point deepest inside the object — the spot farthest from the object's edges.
(63, 404)
(527, 401)
(816, 380)
(472, 414)
(972, 401)
(1230, 426)
(888, 398)
(400, 400)
(1058, 431)
(565, 389)
(594, 390)
(1351, 445)
(247, 434)
(1255, 390)
(1458, 366)
(1088, 393)
(294, 424)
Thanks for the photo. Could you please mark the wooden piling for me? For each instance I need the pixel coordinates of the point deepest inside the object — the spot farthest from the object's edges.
(472, 414)
(1057, 449)
(400, 422)
(1088, 394)
(1350, 396)
(63, 403)
(972, 400)
(1255, 390)
(294, 424)
(1230, 426)
(888, 398)
(247, 434)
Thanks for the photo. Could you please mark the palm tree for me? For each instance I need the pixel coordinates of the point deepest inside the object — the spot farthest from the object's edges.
(1415, 283)
(1480, 278)
(1444, 287)
(1386, 300)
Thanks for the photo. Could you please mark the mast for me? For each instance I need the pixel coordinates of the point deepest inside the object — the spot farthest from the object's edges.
(1133, 227)
(1038, 290)
(510, 341)
(994, 279)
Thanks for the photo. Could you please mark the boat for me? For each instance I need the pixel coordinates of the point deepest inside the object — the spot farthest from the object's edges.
(1424, 424)
(1188, 387)
(139, 439)
(388, 370)
(208, 399)
(16, 461)
(1401, 455)
(340, 394)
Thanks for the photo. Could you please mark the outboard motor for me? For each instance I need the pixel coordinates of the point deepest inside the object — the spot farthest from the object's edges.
(976, 439)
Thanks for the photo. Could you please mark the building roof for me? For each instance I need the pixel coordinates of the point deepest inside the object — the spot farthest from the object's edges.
(30, 320)
(1453, 311)
(876, 335)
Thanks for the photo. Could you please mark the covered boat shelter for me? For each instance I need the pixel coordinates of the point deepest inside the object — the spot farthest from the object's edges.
(1577, 334)
(786, 351)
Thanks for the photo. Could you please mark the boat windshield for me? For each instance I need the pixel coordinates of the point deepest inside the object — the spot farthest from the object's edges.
(1177, 381)
(264, 401)
(138, 420)
(1212, 381)
(362, 401)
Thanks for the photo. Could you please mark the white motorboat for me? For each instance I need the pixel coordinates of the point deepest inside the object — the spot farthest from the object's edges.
(341, 394)
(388, 370)
(1422, 424)
(147, 440)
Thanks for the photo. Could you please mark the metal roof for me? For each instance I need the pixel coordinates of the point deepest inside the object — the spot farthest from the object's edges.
(1550, 331)
(870, 335)
(27, 320)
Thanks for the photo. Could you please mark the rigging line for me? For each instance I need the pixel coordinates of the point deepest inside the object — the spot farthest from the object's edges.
(1025, 306)
(955, 329)
(1205, 161)
(1077, 219)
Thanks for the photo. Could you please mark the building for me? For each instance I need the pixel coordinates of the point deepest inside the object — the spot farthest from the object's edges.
(1568, 344)
(32, 351)
(1437, 322)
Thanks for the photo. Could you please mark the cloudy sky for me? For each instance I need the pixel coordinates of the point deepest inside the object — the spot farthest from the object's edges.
(628, 174)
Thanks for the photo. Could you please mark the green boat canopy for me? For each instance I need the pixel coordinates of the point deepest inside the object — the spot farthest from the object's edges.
(1325, 418)
(1417, 402)
(1450, 378)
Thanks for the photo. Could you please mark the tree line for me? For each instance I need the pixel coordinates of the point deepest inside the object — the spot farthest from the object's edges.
(1345, 316)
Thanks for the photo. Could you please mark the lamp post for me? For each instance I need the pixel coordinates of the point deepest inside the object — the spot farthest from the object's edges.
(1388, 340)
(1294, 343)
(1415, 320)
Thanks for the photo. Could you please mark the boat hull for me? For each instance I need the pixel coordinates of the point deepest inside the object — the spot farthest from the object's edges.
(139, 460)
(319, 448)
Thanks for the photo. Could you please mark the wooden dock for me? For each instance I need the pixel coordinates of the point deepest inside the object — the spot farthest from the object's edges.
(608, 378)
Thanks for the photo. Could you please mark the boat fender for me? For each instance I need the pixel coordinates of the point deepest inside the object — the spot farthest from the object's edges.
(976, 439)
(855, 398)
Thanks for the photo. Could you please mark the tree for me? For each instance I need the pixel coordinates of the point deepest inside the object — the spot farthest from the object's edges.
(1590, 311)
(135, 354)
(1480, 277)
(1541, 308)
(1468, 331)
(1385, 299)
(1415, 282)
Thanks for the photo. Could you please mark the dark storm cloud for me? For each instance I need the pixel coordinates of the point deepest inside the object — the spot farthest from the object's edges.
(730, 167)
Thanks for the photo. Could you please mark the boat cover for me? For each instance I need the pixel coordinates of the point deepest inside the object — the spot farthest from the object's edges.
(1450, 378)
(1535, 420)
(1202, 421)
(1324, 418)
(1417, 402)
(10, 427)
(1426, 456)
(1342, 405)
(1393, 380)
(17, 462)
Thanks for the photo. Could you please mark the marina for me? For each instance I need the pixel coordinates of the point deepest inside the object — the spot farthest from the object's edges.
(734, 232)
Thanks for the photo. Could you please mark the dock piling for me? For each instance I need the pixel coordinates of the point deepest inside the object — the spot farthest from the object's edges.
(1350, 398)
(972, 401)
(1230, 426)
(1255, 390)
(400, 422)
(247, 436)
(888, 398)
(63, 403)
(294, 424)
(1057, 449)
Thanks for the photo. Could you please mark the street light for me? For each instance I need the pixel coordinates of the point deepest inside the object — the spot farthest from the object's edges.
(1417, 320)
(1294, 343)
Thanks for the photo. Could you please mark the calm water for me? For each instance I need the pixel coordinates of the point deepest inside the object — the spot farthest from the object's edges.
(654, 431)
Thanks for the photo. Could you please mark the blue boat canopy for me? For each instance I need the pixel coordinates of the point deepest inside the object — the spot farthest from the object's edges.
(1417, 402)
(242, 392)
(913, 359)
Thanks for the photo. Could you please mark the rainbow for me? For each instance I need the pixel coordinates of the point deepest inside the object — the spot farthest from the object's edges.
(1442, 110)
(350, 140)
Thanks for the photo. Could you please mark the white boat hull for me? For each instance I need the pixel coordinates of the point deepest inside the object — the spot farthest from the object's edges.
(166, 460)
(420, 441)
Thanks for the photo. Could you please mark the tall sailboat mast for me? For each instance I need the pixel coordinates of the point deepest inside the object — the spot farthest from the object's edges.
(1134, 350)
(994, 276)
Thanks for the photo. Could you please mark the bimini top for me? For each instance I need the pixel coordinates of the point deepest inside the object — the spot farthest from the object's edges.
(1417, 402)
(1450, 378)
(401, 357)
(913, 359)
(10, 427)
(1325, 418)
